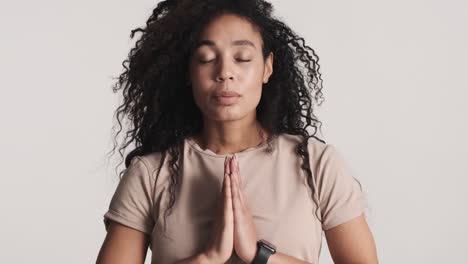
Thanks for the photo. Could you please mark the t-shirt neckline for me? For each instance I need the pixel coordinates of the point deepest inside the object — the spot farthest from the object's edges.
(194, 145)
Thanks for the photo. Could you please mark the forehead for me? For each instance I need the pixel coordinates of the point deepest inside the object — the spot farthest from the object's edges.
(229, 30)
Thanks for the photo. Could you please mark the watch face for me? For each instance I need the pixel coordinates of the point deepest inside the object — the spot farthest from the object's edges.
(268, 245)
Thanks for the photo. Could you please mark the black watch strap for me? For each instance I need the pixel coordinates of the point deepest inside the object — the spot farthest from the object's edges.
(264, 251)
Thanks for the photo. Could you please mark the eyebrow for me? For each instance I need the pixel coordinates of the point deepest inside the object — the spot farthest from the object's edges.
(240, 42)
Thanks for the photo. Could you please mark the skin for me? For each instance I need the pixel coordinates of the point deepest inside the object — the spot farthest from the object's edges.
(245, 235)
(349, 243)
(231, 129)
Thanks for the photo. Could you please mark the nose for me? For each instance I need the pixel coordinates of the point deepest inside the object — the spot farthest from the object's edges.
(224, 71)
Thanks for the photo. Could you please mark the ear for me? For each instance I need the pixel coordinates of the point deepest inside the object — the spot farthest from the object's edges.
(268, 68)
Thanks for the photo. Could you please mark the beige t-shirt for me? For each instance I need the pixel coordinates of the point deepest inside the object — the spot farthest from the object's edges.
(275, 188)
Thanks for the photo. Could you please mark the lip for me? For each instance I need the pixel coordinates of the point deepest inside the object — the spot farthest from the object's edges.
(226, 94)
(226, 97)
(226, 100)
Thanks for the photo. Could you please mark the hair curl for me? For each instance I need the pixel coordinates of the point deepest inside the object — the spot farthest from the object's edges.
(153, 81)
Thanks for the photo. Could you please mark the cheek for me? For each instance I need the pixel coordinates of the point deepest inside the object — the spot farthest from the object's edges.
(199, 96)
(254, 81)
(253, 97)
(199, 85)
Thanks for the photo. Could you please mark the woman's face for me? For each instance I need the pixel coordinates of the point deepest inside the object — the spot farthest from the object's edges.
(229, 60)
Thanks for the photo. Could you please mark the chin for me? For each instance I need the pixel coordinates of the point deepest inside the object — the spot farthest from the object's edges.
(226, 114)
(227, 117)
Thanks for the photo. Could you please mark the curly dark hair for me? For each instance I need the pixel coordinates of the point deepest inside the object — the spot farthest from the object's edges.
(154, 81)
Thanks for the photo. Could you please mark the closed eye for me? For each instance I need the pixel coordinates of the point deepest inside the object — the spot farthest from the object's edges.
(205, 62)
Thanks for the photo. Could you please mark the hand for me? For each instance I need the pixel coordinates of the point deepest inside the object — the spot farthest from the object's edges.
(220, 246)
(245, 235)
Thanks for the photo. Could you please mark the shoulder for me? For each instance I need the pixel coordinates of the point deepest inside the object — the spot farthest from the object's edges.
(323, 155)
(150, 164)
(315, 146)
(320, 153)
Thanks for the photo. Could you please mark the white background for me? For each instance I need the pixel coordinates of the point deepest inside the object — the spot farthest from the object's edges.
(394, 83)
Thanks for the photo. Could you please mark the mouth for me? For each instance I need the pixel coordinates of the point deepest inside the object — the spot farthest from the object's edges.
(226, 100)
(226, 94)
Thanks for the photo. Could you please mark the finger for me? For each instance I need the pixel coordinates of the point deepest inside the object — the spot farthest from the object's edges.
(234, 177)
(227, 192)
(224, 178)
(228, 166)
(238, 181)
(232, 169)
(235, 188)
(238, 172)
(225, 164)
(222, 197)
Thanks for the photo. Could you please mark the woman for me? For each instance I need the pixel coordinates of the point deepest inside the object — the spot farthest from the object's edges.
(224, 169)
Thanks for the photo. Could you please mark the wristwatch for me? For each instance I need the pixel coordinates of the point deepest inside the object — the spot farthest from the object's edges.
(264, 250)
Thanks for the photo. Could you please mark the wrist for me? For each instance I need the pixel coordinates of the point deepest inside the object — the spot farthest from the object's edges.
(265, 250)
(252, 257)
(206, 258)
(203, 258)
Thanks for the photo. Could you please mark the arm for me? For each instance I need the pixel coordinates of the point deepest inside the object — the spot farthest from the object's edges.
(342, 205)
(352, 243)
(281, 258)
(123, 245)
(196, 259)
(349, 243)
(277, 258)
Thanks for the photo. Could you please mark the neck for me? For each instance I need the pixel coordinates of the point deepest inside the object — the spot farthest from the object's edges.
(229, 137)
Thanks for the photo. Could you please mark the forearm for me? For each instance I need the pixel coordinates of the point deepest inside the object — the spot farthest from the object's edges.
(195, 259)
(281, 258)
(277, 258)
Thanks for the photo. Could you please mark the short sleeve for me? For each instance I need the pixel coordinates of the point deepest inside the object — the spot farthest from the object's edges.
(339, 193)
(132, 203)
